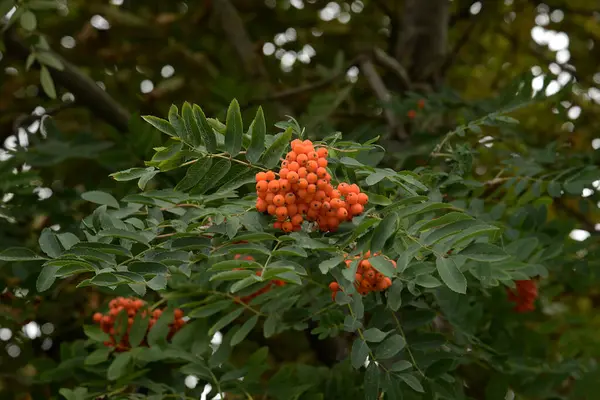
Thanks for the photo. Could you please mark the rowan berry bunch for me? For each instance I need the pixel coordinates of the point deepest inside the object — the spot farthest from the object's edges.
(274, 282)
(525, 295)
(303, 191)
(132, 307)
(367, 279)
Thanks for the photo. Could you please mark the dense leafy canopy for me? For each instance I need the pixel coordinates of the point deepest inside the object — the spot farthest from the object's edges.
(129, 171)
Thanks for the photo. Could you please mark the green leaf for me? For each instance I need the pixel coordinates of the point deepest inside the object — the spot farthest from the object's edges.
(226, 320)
(413, 382)
(162, 125)
(49, 243)
(451, 275)
(206, 131)
(244, 330)
(28, 21)
(191, 126)
(376, 177)
(124, 234)
(290, 251)
(104, 247)
(19, 254)
(102, 198)
(177, 123)
(147, 267)
(229, 265)
(159, 282)
(359, 354)
(138, 330)
(231, 275)
(554, 189)
(95, 333)
(385, 229)
(390, 347)
(214, 175)
(257, 132)
(273, 154)
(371, 382)
(49, 59)
(374, 335)
(210, 309)
(416, 209)
(105, 279)
(383, 265)
(47, 82)
(98, 356)
(352, 162)
(194, 174)
(445, 219)
(400, 366)
(131, 173)
(484, 252)
(394, 295)
(158, 333)
(46, 278)
(234, 131)
(67, 240)
(119, 366)
(427, 281)
(270, 325)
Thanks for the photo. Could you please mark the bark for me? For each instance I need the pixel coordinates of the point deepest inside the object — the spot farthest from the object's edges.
(423, 42)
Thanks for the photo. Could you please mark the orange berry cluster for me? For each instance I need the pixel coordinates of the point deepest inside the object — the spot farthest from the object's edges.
(412, 114)
(248, 299)
(525, 295)
(132, 307)
(367, 279)
(304, 191)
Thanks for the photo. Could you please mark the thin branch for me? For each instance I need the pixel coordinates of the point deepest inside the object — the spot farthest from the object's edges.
(381, 92)
(391, 63)
(237, 35)
(28, 119)
(85, 90)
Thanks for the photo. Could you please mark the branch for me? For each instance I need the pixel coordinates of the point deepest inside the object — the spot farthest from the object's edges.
(582, 218)
(381, 92)
(238, 36)
(85, 90)
(28, 119)
(391, 63)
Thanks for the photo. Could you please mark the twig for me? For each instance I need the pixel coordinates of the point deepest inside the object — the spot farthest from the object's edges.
(390, 62)
(381, 92)
(28, 119)
(85, 90)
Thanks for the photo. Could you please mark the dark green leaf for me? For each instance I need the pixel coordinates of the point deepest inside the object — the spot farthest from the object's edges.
(98, 356)
(229, 265)
(218, 170)
(102, 198)
(28, 20)
(257, 132)
(383, 265)
(119, 366)
(400, 366)
(47, 82)
(383, 232)
(162, 125)
(147, 267)
(427, 281)
(191, 126)
(177, 123)
(194, 174)
(49, 243)
(138, 329)
(95, 333)
(371, 382)
(451, 275)
(159, 282)
(244, 330)
(231, 275)
(105, 279)
(131, 173)
(390, 347)
(411, 381)
(484, 252)
(46, 278)
(234, 131)
(374, 335)
(210, 309)
(19, 254)
(226, 320)
(290, 251)
(273, 154)
(124, 234)
(359, 354)
(206, 131)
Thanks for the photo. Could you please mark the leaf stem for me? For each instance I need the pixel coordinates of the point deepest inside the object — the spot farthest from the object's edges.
(410, 354)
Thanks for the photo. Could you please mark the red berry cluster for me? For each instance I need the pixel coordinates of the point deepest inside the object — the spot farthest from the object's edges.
(367, 278)
(248, 299)
(132, 307)
(304, 191)
(525, 295)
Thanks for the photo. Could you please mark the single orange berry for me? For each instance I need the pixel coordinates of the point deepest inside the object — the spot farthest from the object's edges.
(279, 200)
(281, 212)
(292, 210)
(292, 177)
(342, 213)
(261, 176)
(261, 205)
(334, 286)
(271, 208)
(297, 219)
(274, 186)
(302, 159)
(312, 166)
(287, 226)
(270, 175)
(322, 152)
(290, 198)
(284, 185)
(363, 198)
(322, 162)
(283, 173)
(262, 186)
(291, 156)
(293, 166)
(352, 198)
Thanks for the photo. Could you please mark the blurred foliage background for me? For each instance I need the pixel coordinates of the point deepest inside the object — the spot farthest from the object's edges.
(407, 71)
